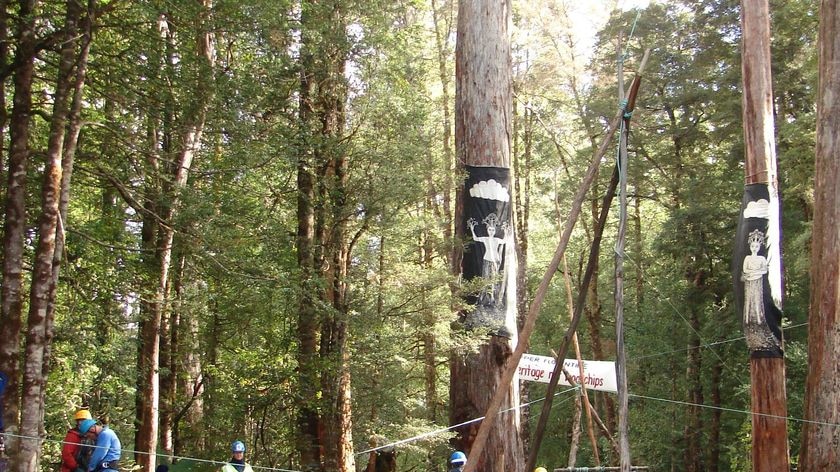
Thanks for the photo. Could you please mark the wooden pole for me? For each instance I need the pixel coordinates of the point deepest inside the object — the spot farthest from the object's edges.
(583, 393)
(621, 361)
(767, 374)
(593, 254)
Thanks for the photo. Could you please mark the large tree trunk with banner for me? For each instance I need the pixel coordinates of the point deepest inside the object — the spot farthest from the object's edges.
(483, 114)
(757, 265)
(821, 436)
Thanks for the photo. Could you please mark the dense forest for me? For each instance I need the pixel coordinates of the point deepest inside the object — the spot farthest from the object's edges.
(237, 220)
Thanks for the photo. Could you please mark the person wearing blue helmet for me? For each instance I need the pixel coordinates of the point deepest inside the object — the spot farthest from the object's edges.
(106, 451)
(457, 461)
(237, 461)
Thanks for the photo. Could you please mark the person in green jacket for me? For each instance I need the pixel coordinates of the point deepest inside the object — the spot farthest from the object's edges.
(237, 461)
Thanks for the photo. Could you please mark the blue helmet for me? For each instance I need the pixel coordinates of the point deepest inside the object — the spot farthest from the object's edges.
(237, 446)
(85, 425)
(458, 457)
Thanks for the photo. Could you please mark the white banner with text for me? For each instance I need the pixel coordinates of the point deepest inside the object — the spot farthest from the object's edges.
(597, 375)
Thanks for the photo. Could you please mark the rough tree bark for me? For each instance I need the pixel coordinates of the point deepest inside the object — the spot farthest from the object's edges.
(15, 218)
(767, 374)
(39, 324)
(821, 441)
(324, 423)
(483, 114)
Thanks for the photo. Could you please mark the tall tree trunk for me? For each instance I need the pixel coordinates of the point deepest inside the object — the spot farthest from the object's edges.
(761, 317)
(483, 114)
(192, 382)
(39, 323)
(821, 437)
(170, 352)
(4, 61)
(338, 440)
(521, 214)
(693, 427)
(442, 18)
(324, 424)
(714, 426)
(15, 219)
(427, 332)
(190, 141)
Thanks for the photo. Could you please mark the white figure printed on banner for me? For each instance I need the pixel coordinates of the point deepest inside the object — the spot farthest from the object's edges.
(494, 248)
(754, 269)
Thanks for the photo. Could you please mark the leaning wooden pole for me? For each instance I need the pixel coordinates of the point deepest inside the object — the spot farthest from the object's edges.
(757, 265)
(593, 256)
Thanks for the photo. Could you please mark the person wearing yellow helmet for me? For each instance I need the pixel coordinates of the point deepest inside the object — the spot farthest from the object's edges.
(75, 449)
(540, 469)
(83, 414)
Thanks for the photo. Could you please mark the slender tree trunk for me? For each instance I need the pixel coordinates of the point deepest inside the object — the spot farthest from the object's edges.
(714, 426)
(427, 332)
(192, 382)
(73, 69)
(822, 394)
(4, 61)
(693, 427)
(147, 434)
(38, 323)
(159, 142)
(523, 125)
(307, 329)
(170, 353)
(15, 220)
(442, 18)
(335, 331)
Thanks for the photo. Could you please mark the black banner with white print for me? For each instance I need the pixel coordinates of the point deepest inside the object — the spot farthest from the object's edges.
(489, 258)
(757, 271)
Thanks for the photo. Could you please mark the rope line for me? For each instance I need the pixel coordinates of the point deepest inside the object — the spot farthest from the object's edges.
(734, 410)
(130, 451)
(278, 469)
(443, 430)
(716, 343)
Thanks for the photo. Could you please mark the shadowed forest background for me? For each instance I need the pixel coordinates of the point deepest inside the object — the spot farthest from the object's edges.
(260, 222)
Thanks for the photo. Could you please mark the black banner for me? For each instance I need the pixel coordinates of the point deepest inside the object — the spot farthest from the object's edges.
(757, 272)
(489, 258)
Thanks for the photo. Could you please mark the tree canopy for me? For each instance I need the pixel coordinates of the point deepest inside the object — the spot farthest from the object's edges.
(252, 205)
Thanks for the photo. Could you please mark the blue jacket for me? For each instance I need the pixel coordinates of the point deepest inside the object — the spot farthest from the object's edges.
(107, 449)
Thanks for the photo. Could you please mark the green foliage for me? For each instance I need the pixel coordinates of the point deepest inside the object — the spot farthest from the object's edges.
(236, 284)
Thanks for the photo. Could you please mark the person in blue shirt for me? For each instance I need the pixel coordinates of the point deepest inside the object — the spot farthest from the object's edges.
(106, 451)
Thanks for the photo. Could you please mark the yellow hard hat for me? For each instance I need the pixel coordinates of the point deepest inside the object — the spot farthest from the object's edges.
(82, 415)
(540, 469)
